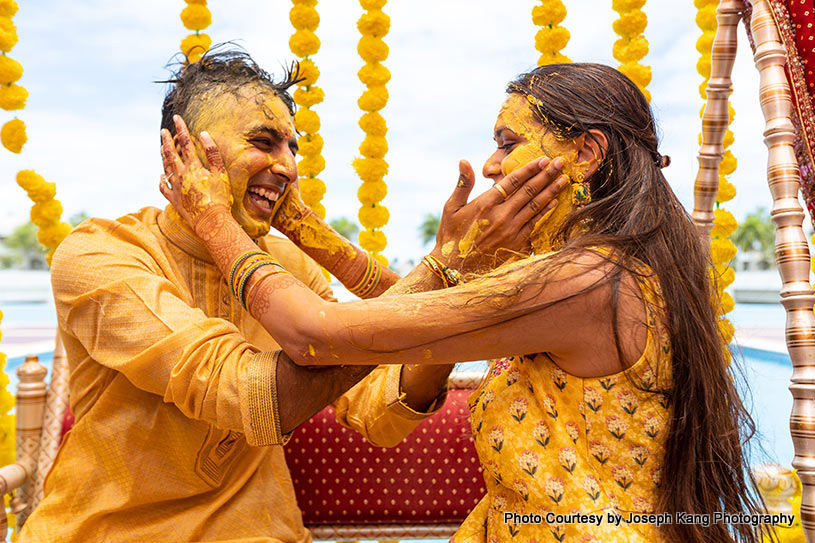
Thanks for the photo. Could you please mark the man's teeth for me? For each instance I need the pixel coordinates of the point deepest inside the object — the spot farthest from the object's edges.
(260, 191)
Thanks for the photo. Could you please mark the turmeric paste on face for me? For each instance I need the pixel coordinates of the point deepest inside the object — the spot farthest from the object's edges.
(516, 115)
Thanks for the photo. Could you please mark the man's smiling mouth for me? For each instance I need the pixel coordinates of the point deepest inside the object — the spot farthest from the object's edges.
(263, 198)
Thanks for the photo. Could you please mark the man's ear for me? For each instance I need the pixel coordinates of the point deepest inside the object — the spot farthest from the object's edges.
(592, 151)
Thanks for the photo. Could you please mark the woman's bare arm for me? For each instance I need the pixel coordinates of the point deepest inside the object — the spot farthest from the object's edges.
(426, 328)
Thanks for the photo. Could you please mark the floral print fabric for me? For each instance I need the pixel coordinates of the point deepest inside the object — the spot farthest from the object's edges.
(552, 442)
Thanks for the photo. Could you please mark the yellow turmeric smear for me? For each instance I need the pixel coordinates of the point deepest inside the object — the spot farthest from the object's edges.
(428, 354)
(467, 244)
(311, 350)
(447, 248)
(315, 236)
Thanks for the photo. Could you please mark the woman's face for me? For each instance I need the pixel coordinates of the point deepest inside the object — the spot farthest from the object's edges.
(521, 138)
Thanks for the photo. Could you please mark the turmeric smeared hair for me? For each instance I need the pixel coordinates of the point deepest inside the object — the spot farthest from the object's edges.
(634, 212)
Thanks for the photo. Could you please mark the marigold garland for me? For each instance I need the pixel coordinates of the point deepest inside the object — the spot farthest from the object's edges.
(373, 25)
(196, 16)
(551, 37)
(722, 250)
(632, 46)
(304, 43)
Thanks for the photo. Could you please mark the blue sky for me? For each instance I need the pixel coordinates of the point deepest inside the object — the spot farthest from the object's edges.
(93, 113)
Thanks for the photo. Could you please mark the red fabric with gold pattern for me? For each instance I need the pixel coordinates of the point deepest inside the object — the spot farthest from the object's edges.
(432, 476)
(802, 13)
(67, 423)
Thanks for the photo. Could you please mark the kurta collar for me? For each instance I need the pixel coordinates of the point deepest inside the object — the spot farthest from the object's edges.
(181, 235)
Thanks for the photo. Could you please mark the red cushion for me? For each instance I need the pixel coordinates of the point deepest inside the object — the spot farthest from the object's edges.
(432, 476)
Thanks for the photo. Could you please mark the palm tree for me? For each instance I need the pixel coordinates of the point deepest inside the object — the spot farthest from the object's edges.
(345, 227)
(429, 227)
(756, 233)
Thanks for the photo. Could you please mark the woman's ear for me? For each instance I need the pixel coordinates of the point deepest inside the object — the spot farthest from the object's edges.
(592, 151)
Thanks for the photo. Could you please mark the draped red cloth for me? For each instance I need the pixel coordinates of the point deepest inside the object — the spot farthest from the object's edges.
(795, 20)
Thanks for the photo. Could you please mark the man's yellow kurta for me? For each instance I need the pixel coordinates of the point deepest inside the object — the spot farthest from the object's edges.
(172, 384)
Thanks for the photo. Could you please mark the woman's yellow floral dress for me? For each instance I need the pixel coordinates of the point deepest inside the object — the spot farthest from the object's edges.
(552, 442)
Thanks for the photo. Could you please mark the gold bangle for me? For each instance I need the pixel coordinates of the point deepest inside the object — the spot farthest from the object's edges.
(449, 277)
(370, 279)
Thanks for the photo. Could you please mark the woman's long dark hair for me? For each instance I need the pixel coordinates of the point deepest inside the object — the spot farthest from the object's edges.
(634, 212)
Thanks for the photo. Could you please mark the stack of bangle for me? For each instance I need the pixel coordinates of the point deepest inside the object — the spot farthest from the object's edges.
(449, 277)
(246, 265)
(370, 279)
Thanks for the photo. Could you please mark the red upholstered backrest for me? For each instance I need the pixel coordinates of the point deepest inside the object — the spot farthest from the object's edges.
(433, 476)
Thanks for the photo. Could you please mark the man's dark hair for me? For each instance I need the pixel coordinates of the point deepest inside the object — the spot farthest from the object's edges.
(221, 70)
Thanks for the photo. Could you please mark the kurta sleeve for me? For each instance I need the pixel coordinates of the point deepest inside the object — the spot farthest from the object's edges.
(114, 296)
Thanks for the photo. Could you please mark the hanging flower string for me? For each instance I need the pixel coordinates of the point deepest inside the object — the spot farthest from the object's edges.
(373, 25)
(196, 17)
(722, 250)
(12, 95)
(304, 43)
(632, 45)
(551, 37)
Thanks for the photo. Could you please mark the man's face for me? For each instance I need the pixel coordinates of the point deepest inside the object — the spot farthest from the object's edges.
(255, 133)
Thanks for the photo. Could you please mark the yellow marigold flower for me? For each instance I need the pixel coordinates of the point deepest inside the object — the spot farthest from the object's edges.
(370, 169)
(12, 97)
(622, 6)
(310, 144)
(726, 303)
(703, 93)
(729, 138)
(38, 189)
(728, 164)
(46, 213)
(372, 240)
(703, 66)
(705, 42)
(202, 2)
(727, 191)
(195, 45)
(311, 166)
(639, 74)
(373, 216)
(551, 39)
(196, 17)
(722, 276)
(372, 49)
(8, 34)
(10, 70)
(307, 98)
(724, 224)
(374, 23)
(381, 259)
(13, 135)
(630, 50)
(552, 58)
(698, 4)
(52, 236)
(8, 8)
(731, 113)
(631, 24)
(374, 74)
(373, 99)
(312, 190)
(304, 18)
(304, 43)
(646, 93)
(310, 3)
(722, 251)
(550, 12)
(306, 120)
(373, 124)
(319, 209)
(727, 330)
(374, 147)
(370, 193)
(309, 72)
(706, 18)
